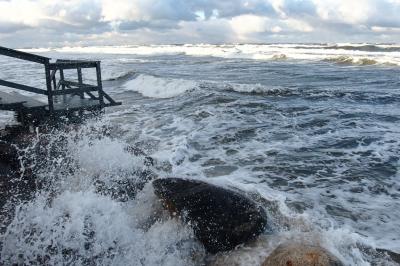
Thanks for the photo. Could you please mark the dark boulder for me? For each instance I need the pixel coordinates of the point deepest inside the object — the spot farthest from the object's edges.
(221, 218)
(395, 257)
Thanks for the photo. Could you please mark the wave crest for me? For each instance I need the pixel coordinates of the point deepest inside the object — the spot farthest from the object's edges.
(123, 77)
(388, 54)
(348, 60)
(157, 87)
(257, 89)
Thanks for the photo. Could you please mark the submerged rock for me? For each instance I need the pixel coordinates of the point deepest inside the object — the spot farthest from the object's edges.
(395, 257)
(221, 218)
(301, 255)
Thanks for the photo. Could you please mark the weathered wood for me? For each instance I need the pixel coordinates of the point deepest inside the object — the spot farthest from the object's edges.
(24, 56)
(69, 83)
(73, 93)
(110, 99)
(79, 91)
(80, 81)
(22, 87)
(53, 74)
(49, 89)
(72, 65)
(62, 78)
(100, 84)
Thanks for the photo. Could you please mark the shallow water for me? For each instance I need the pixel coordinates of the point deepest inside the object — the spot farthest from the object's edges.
(316, 131)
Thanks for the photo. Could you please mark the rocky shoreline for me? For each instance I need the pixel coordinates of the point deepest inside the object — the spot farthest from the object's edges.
(223, 219)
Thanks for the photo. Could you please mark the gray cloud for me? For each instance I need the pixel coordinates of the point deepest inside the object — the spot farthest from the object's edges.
(92, 22)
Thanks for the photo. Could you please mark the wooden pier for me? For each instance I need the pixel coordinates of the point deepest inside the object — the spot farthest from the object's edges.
(64, 97)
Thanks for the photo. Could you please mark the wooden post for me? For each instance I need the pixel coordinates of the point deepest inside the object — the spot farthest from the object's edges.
(49, 89)
(62, 82)
(54, 85)
(99, 84)
(80, 81)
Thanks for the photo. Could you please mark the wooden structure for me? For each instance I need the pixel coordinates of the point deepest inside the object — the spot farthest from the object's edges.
(64, 97)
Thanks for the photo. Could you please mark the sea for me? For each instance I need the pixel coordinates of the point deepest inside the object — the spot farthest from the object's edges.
(310, 130)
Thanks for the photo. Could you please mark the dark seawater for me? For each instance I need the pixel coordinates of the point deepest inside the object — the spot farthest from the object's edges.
(313, 129)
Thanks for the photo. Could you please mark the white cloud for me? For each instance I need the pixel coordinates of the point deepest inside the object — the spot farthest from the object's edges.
(348, 11)
(116, 10)
(385, 29)
(248, 24)
(298, 25)
(40, 22)
(23, 12)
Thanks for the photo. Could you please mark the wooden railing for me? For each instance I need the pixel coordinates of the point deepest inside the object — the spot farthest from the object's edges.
(61, 86)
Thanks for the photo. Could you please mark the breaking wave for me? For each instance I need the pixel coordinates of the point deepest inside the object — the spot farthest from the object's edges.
(157, 87)
(73, 220)
(348, 60)
(253, 88)
(123, 77)
(364, 53)
(161, 87)
(365, 47)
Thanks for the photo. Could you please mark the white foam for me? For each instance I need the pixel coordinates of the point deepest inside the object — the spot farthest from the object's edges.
(92, 228)
(156, 87)
(77, 225)
(249, 88)
(248, 51)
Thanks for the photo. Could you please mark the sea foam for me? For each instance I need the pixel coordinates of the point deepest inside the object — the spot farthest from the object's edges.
(378, 54)
(157, 87)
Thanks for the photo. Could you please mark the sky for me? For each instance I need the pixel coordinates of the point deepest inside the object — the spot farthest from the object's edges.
(56, 23)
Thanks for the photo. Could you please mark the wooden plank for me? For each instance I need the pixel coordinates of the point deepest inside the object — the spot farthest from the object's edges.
(24, 56)
(72, 65)
(92, 96)
(53, 74)
(74, 61)
(73, 98)
(50, 99)
(76, 84)
(100, 83)
(112, 102)
(75, 91)
(22, 87)
(80, 81)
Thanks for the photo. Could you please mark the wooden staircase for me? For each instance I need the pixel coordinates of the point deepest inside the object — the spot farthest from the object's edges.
(64, 97)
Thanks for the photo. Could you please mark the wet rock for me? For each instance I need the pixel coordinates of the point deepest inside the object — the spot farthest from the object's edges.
(392, 255)
(301, 255)
(8, 154)
(148, 161)
(221, 218)
(15, 185)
